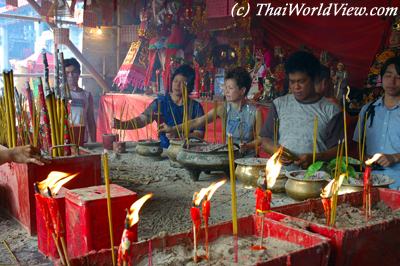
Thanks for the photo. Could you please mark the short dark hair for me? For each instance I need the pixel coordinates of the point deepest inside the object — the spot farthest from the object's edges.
(305, 62)
(188, 72)
(393, 60)
(241, 76)
(72, 62)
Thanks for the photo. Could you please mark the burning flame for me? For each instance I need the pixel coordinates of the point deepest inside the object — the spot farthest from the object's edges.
(213, 187)
(207, 192)
(55, 180)
(329, 189)
(373, 159)
(135, 208)
(273, 168)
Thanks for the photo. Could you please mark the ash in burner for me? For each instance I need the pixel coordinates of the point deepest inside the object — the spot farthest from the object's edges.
(222, 252)
(348, 216)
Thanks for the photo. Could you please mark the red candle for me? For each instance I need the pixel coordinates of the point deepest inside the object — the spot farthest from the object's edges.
(125, 248)
(263, 200)
(196, 218)
(367, 174)
(326, 203)
(206, 211)
(367, 190)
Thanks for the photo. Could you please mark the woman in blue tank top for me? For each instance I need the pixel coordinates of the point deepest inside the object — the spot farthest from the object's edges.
(171, 107)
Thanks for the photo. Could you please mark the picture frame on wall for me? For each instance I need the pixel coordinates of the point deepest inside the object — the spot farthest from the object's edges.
(219, 82)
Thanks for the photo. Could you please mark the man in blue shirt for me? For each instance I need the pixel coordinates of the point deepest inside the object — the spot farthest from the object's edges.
(171, 107)
(383, 123)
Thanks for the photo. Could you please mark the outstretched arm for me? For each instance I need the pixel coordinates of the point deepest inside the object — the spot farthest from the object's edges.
(137, 122)
(194, 123)
(21, 154)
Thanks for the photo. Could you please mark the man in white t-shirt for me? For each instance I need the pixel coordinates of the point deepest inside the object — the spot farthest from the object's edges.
(82, 101)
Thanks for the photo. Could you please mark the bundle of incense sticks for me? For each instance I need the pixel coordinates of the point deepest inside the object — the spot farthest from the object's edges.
(215, 107)
(10, 108)
(186, 126)
(57, 102)
(338, 169)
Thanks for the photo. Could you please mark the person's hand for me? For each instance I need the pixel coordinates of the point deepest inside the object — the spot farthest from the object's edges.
(243, 147)
(304, 160)
(387, 160)
(286, 157)
(26, 154)
(164, 128)
(116, 123)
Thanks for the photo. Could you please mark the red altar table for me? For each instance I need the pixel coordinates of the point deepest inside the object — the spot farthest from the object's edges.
(111, 106)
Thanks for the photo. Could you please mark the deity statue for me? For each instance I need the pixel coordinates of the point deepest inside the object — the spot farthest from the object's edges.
(339, 79)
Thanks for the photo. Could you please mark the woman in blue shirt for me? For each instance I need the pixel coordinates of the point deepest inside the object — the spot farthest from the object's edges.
(171, 107)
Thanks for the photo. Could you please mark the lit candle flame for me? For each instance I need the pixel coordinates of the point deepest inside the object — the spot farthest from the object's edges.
(273, 168)
(373, 159)
(198, 196)
(213, 187)
(135, 208)
(55, 180)
(207, 192)
(331, 188)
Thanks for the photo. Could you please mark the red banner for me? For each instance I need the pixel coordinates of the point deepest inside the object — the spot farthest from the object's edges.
(133, 69)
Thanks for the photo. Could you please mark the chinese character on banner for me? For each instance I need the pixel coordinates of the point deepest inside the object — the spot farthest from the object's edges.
(13, 3)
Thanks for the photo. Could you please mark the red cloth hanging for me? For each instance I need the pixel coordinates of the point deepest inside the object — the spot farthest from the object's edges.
(353, 40)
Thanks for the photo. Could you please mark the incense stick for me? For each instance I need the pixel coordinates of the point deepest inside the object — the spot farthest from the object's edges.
(109, 211)
(173, 117)
(359, 141)
(223, 122)
(206, 124)
(315, 137)
(345, 131)
(233, 185)
(215, 106)
(364, 137)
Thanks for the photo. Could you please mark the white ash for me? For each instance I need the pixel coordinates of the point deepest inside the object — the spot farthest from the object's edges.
(222, 252)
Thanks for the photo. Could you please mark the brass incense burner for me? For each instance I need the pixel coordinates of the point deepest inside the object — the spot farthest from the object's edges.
(149, 148)
(356, 184)
(205, 157)
(175, 146)
(300, 188)
(249, 170)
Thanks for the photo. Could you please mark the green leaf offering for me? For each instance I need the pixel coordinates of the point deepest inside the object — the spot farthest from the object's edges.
(313, 168)
(350, 169)
(353, 161)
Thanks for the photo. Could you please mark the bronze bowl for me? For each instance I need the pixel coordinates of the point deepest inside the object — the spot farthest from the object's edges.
(149, 148)
(205, 157)
(299, 188)
(175, 145)
(357, 184)
(249, 170)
